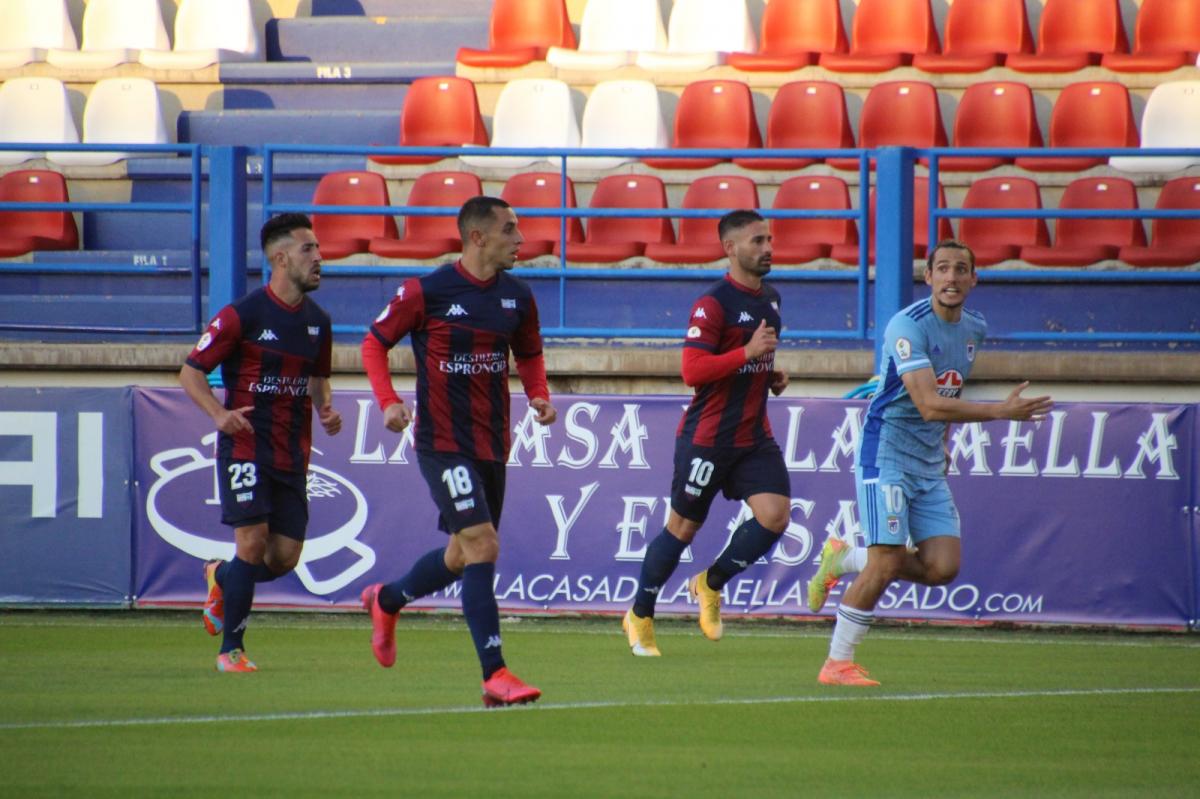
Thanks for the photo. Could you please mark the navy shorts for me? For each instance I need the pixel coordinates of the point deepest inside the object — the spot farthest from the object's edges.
(466, 491)
(739, 473)
(252, 493)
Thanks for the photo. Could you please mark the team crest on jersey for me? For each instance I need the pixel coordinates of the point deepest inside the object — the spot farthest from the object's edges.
(693, 332)
(508, 303)
(950, 383)
(775, 306)
(204, 341)
(903, 348)
(314, 330)
(970, 350)
(893, 524)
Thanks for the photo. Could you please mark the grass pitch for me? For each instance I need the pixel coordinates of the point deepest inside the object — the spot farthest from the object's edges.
(127, 704)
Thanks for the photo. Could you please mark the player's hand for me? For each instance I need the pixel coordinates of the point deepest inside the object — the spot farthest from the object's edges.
(234, 421)
(763, 341)
(545, 411)
(330, 419)
(1023, 409)
(779, 381)
(397, 417)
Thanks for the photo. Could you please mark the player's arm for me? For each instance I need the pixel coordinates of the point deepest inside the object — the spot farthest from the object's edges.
(219, 340)
(531, 365)
(921, 385)
(405, 313)
(319, 387)
(195, 385)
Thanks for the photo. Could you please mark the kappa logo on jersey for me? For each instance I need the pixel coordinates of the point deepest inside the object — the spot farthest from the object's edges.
(950, 383)
(745, 317)
(268, 335)
(508, 304)
(699, 314)
(903, 348)
(456, 310)
(204, 341)
(970, 350)
(400, 291)
(693, 332)
(216, 324)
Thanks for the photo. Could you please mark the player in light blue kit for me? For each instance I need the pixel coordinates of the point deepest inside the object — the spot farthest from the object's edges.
(929, 349)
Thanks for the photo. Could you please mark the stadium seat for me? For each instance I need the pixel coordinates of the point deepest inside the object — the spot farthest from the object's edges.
(1079, 242)
(699, 35)
(431, 236)
(698, 242)
(886, 34)
(611, 34)
(31, 27)
(794, 34)
(22, 232)
(804, 115)
(530, 112)
(901, 112)
(1073, 34)
(979, 34)
(848, 253)
(1171, 119)
(621, 114)
(118, 111)
(1173, 242)
(997, 114)
(1087, 115)
(541, 190)
(611, 239)
(521, 31)
(34, 110)
(996, 239)
(711, 114)
(799, 241)
(438, 112)
(342, 235)
(114, 32)
(1166, 36)
(209, 32)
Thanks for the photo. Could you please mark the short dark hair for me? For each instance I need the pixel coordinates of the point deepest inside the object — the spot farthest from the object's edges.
(477, 210)
(736, 219)
(950, 244)
(280, 227)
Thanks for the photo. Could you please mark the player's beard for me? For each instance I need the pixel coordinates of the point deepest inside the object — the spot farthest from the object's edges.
(760, 267)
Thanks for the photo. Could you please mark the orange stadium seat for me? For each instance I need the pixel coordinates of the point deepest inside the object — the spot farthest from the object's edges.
(1166, 36)
(1079, 242)
(438, 112)
(848, 253)
(1173, 242)
(698, 242)
(345, 234)
(999, 114)
(611, 238)
(22, 232)
(899, 112)
(799, 241)
(541, 190)
(521, 31)
(979, 34)
(886, 34)
(804, 115)
(711, 114)
(431, 236)
(1073, 34)
(1087, 115)
(997, 239)
(794, 34)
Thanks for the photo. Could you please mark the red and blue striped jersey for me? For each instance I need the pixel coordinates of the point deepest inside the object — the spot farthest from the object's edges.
(267, 352)
(462, 333)
(731, 411)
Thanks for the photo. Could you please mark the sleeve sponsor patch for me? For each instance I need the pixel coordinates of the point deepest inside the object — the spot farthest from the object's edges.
(204, 341)
(903, 349)
(383, 314)
(693, 331)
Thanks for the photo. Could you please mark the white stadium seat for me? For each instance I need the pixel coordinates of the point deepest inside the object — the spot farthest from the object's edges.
(530, 112)
(118, 111)
(1171, 119)
(699, 35)
(209, 32)
(611, 34)
(34, 110)
(625, 114)
(30, 28)
(114, 32)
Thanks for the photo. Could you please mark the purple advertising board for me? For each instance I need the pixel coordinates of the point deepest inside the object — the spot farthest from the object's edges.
(1086, 517)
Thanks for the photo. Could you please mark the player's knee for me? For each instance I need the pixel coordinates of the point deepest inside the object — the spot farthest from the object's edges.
(941, 573)
(775, 520)
(282, 563)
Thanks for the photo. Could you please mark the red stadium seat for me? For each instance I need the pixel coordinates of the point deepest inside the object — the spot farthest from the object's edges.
(848, 253)
(1073, 34)
(698, 242)
(1166, 36)
(22, 232)
(341, 235)
(541, 190)
(1079, 242)
(886, 34)
(992, 115)
(711, 114)
(979, 34)
(794, 33)
(611, 238)
(438, 112)
(799, 241)
(804, 115)
(521, 31)
(901, 112)
(431, 236)
(1173, 242)
(996, 239)
(1087, 115)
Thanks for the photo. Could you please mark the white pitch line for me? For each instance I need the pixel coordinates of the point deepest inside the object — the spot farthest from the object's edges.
(319, 715)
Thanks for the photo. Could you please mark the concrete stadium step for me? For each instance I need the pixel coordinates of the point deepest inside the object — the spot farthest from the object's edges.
(401, 8)
(379, 39)
(254, 127)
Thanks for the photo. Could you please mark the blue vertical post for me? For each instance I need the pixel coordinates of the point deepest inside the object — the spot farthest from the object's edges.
(226, 225)
(893, 237)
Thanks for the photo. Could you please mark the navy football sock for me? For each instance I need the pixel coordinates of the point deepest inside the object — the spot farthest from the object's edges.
(430, 573)
(662, 556)
(262, 574)
(483, 617)
(219, 574)
(238, 588)
(749, 543)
